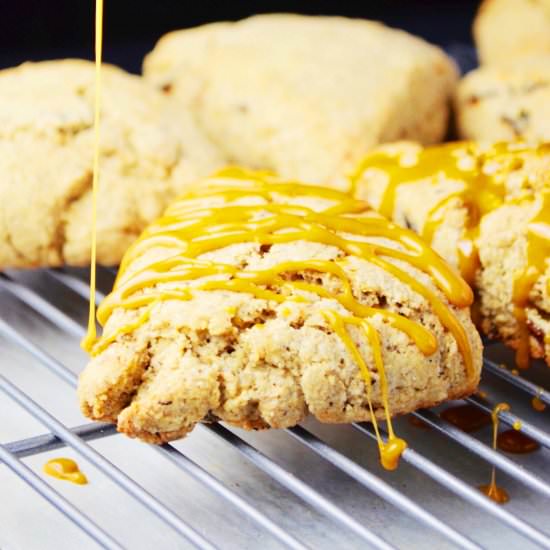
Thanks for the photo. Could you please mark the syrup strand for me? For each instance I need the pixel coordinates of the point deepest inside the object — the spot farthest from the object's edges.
(493, 491)
(91, 335)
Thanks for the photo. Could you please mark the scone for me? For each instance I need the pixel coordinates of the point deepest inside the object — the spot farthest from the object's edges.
(507, 29)
(506, 101)
(305, 96)
(487, 211)
(149, 152)
(257, 301)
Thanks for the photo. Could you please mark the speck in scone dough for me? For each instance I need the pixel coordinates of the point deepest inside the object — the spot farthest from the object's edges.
(507, 101)
(503, 232)
(149, 152)
(257, 363)
(305, 96)
(508, 29)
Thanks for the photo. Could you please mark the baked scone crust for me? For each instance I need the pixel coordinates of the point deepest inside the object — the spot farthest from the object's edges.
(507, 101)
(508, 29)
(149, 152)
(257, 363)
(305, 96)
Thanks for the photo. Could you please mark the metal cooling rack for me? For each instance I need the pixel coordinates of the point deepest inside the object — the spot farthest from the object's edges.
(312, 486)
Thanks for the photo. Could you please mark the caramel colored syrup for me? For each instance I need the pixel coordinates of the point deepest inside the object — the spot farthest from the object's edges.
(418, 422)
(189, 229)
(466, 417)
(65, 469)
(493, 491)
(513, 441)
(91, 335)
(537, 404)
(483, 190)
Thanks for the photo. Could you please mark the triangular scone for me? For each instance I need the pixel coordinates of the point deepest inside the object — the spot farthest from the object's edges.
(305, 96)
(257, 301)
(149, 152)
(486, 209)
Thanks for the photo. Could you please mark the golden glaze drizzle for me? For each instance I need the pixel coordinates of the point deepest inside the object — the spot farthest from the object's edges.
(493, 491)
(189, 229)
(91, 333)
(65, 469)
(482, 191)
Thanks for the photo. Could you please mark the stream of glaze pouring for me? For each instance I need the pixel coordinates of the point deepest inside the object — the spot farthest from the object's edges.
(91, 333)
(483, 190)
(213, 215)
(65, 468)
(493, 491)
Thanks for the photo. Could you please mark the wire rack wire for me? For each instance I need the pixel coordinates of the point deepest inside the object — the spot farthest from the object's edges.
(59, 297)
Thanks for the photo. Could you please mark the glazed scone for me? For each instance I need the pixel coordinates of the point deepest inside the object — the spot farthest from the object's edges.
(486, 209)
(506, 101)
(305, 96)
(149, 152)
(508, 29)
(257, 301)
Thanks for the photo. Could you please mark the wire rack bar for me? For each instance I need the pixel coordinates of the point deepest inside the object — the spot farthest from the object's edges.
(49, 442)
(75, 284)
(297, 486)
(47, 360)
(379, 487)
(58, 501)
(101, 463)
(510, 418)
(462, 489)
(496, 459)
(517, 381)
(32, 299)
(217, 487)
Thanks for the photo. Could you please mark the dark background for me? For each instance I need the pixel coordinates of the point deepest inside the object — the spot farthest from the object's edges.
(48, 29)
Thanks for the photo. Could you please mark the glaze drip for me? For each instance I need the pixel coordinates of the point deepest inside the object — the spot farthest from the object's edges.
(492, 490)
(65, 469)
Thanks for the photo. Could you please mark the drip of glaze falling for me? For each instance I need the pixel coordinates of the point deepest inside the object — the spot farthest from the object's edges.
(493, 491)
(91, 335)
